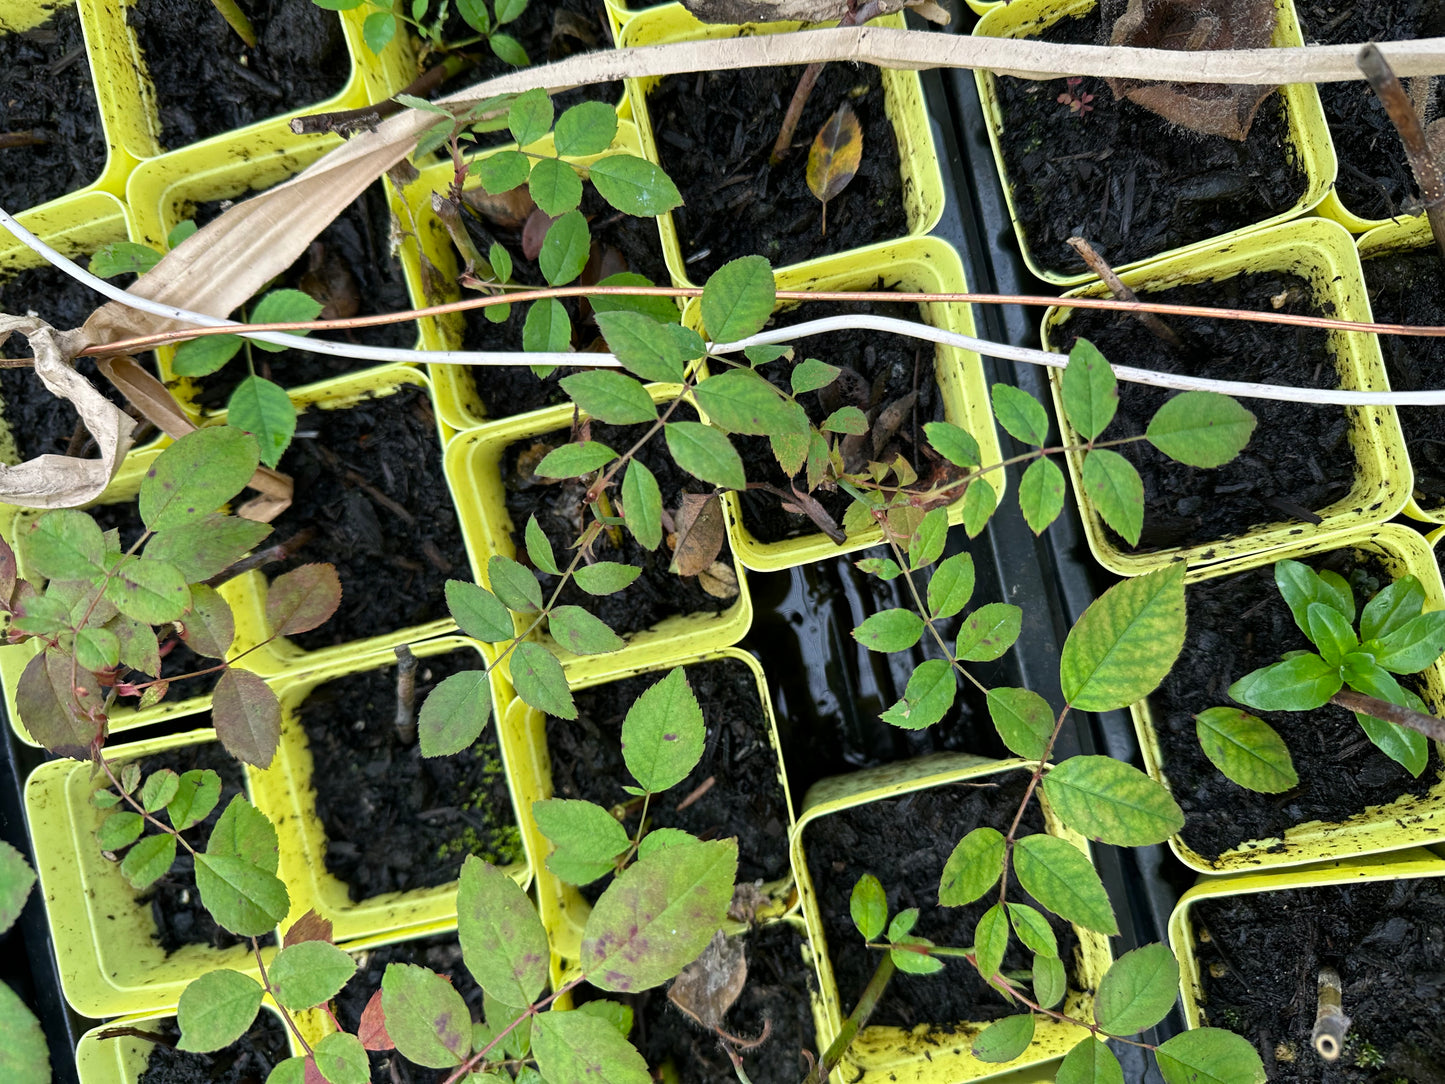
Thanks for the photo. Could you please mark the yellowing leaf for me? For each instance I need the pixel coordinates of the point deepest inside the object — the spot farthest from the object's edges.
(834, 157)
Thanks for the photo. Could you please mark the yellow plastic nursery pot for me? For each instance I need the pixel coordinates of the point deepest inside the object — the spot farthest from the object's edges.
(923, 193)
(109, 961)
(1406, 822)
(122, 1060)
(937, 1054)
(285, 790)
(1321, 252)
(1184, 935)
(564, 912)
(1309, 138)
(922, 264)
(474, 472)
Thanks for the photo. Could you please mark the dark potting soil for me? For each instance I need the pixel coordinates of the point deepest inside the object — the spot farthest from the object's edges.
(1406, 288)
(369, 483)
(715, 132)
(558, 506)
(208, 81)
(48, 94)
(1237, 624)
(776, 996)
(745, 800)
(1126, 180)
(442, 955)
(175, 902)
(905, 843)
(350, 269)
(1261, 964)
(394, 820)
(250, 1058)
(1300, 458)
(619, 243)
(1374, 179)
(39, 422)
(879, 371)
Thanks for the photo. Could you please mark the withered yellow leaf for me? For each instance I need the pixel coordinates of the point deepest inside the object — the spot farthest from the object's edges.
(834, 157)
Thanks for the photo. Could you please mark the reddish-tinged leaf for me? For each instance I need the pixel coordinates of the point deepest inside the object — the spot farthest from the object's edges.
(309, 927)
(535, 232)
(210, 627)
(313, 1074)
(302, 599)
(49, 708)
(7, 572)
(700, 530)
(372, 1031)
(247, 717)
(835, 156)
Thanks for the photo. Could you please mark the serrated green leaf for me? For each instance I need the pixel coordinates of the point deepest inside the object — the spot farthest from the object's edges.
(530, 116)
(868, 906)
(1059, 876)
(587, 840)
(120, 829)
(645, 348)
(812, 374)
(341, 1059)
(605, 577)
(1089, 390)
(1117, 492)
(196, 475)
(1137, 991)
(478, 612)
(634, 185)
(196, 795)
(283, 307)
(889, 630)
(741, 401)
(580, 632)
(926, 544)
(642, 504)
(503, 941)
(1041, 494)
(24, 1057)
(1246, 749)
(663, 733)
(1021, 415)
(930, 693)
(955, 444)
(148, 861)
(848, 419)
(515, 586)
(1201, 429)
(502, 171)
(1023, 720)
(264, 410)
(990, 941)
(206, 546)
(951, 586)
(151, 591)
(63, 545)
(539, 547)
(16, 880)
(581, 1046)
(611, 397)
(455, 713)
(662, 309)
(425, 1017)
(979, 502)
(123, 258)
(159, 789)
(1005, 1040)
(1033, 929)
(554, 187)
(565, 249)
(97, 649)
(586, 129)
(1113, 802)
(547, 328)
(309, 973)
(217, 1009)
(377, 30)
(705, 453)
(912, 961)
(738, 299)
(988, 632)
(973, 868)
(204, 356)
(1090, 1062)
(1126, 641)
(1049, 981)
(509, 49)
(1209, 1056)
(539, 680)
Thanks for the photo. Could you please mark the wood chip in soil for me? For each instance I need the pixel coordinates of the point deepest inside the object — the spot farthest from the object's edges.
(1299, 460)
(395, 820)
(250, 1058)
(1237, 624)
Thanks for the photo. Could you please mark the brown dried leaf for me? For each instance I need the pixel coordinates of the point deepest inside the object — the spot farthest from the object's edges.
(709, 985)
(719, 580)
(372, 1031)
(510, 210)
(801, 11)
(247, 717)
(835, 156)
(309, 927)
(890, 418)
(700, 533)
(534, 232)
(302, 599)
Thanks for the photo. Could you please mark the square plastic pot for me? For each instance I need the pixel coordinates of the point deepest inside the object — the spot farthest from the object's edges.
(1323, 253)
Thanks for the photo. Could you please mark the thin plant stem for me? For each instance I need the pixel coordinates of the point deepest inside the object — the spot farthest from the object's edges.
(857, 1020)
(1406, 120)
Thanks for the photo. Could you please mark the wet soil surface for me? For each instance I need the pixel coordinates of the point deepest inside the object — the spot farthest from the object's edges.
(442, 955)
(619, 243)
(48, 92)
(1129, 182)
(776, 996)
(879, 372)
(1299, 459)
(1237, 624)
(1407, 288)
(715, 131)
(1374, 179)
(745, 799)
(1261, 964)
(175, 902)
(369, 483)
(395, 821)
(657, 593)
(350, 269)
(208, 81)
(905, 843)
(249, 1058)
(40, 422)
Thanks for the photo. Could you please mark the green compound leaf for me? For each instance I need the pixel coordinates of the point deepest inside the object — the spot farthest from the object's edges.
(454, 715)
(979, 502)
(1137, 991)
(159, 788)
(586, 129)
(581, 1046)
(658, 915)
(1125, 642)
(606, 577)
(930, 693)
(1033, 929)
(196, 475)
(478, 612)
(889, 630)
(148, 861)
(547, 328)
(540, 681)
(1113, 802)
(341, 1059)
(1059, 876)
(705, 453)
(203, 356)
(515, 586)
(1090, 1062)
(1390, 608)
(121, 258)
(954, 443)
(64, 545)
(217, 1009)
(644, 348)
(664, 733)
(868, 906)
(951, 586)
(990, 941)
(1049, 981)
(530, 116)
(811, 374)
(1301, 683)
(503, 942)
(634, 185)
(502, 171)
(1209, 1056)
(580, 632)
(237, 874)
(1023, 720)
(575, 460)
(1089, 390)
(206, 546)
(586, 838)
(973, 868)
(1006, 1039)
(1116, 489)
(283, 307)
(309, 973)
(738, 299)
(1021, 415)
(120, 829)
(555, 187)
(565, 249)
(1246, 749)
(642, 504)
(196, 795)
(1041, 494)
(1201, 429)
(426, 1019)
(16, 880)
(150, 591)
(610, 396)
(988, 632)
(741, 401)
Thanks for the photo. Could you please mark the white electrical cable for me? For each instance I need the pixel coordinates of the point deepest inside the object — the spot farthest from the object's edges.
(856, 322)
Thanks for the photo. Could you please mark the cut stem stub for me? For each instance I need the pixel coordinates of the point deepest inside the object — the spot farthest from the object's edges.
(1331, 1023)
